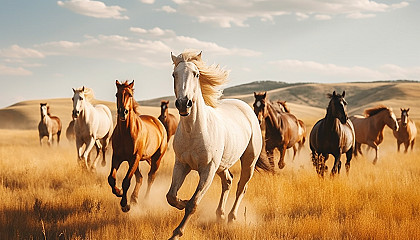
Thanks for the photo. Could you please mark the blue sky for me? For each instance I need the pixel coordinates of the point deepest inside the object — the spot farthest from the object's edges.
(49, 47)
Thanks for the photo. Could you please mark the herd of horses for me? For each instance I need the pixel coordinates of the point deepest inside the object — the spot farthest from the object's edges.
(213, 134)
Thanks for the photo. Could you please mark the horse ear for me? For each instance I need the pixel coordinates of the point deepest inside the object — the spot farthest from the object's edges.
(265, 94)
(83, 88)
(74, 91)
(344, 93)
(117, 83)
(173, 58)
(199, 56)
(255, 94)
(408, 109)
(131, 84)
(334, 94)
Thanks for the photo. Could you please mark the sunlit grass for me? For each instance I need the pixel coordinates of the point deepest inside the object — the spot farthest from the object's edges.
(44, 192)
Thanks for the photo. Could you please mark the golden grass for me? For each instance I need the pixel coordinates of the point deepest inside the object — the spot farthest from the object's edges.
(43, 190)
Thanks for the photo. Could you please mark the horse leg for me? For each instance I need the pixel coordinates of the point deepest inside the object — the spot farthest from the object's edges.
(294, 151)
(116, 162)
(349, 154)
(79, 148)
(133, 165)
(398, 145)
(412, 144)
(104, 148)
(226, 177)
(179, 173)
(58, 137)
(337, 163)
(154, 165)
(270, 155)
(282, 150)
(89, 145)
(50, 138)
(406, 145)
(247, 170)
(206, 174)
(139, 181)
(98, 147)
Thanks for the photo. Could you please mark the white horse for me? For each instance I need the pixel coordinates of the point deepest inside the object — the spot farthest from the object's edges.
(211, 136)
(93, 126)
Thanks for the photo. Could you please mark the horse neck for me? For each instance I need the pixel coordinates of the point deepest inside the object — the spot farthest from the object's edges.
(330, 120)
(45, 118)
(132, 125)
(378, 123)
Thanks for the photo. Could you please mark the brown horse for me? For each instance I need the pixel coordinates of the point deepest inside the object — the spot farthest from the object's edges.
(302, 131)
(136, 138)
(48, 125)
(407, 131)
(70, 133)
(168, 120)
(369, 129)
(334, 134)
(280, 129)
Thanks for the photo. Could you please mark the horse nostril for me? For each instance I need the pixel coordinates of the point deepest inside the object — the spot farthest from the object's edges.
(189, 103)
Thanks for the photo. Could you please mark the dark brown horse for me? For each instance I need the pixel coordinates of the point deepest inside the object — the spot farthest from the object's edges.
(48, 125)
(334, 134)
(136, 138)
(280, 129)
(168, 120)
(406, 132)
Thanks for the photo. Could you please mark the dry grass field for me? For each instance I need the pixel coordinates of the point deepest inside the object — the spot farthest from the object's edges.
(44, 195)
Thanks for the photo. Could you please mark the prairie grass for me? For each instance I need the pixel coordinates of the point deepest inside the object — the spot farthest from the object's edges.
(45, 195)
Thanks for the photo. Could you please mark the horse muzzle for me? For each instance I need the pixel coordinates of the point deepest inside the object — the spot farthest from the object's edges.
(184, 106)
(75, 114)
(122, 113)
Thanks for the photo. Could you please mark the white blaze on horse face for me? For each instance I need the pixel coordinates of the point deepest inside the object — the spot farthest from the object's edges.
(78, 100)
(258, 104)
(184, 80)
(394, 124)
(44, 110)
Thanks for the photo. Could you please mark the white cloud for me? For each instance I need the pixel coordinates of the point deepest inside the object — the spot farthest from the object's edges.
(11, 71)
(168, 9)
(227, 13)
(152, 49)
(148, 1)
(95, 9)
(15, 51)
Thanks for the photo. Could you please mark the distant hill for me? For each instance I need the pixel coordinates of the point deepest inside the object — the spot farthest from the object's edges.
(307, 101)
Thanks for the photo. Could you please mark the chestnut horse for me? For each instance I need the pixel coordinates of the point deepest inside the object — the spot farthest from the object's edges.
(48, 125)
(168, 120)
(301, 133)
(280, 129)
(369, 129)
(334, 134)
(70, 134)
(136, 138)
(407, 131)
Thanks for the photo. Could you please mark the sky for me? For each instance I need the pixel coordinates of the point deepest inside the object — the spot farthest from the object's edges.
(49, 47)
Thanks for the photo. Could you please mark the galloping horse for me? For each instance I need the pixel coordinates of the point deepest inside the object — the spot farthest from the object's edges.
(280, 128)
(211, 136)
(168, 120)
(301, 132)
(93, 126)
(136, 138)
(369, 129)
(407, 131)
(334, 134)
(49, 125)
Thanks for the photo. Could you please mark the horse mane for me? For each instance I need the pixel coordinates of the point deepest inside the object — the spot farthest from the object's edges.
(211, 77)
(89, 94)
(48, 111)
(375, 110)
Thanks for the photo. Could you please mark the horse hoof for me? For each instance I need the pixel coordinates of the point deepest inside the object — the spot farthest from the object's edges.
(126, 208)
(281, 165)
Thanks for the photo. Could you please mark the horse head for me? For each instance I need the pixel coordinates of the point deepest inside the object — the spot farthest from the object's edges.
(125, 100)
(164, 107)
(338, 106)
(186, 83)
(391, 120)
(44, 109)
(404, 116)
(78, 101)
(260, 105)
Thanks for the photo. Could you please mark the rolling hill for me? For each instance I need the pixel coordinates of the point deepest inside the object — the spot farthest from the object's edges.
(307, 101)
